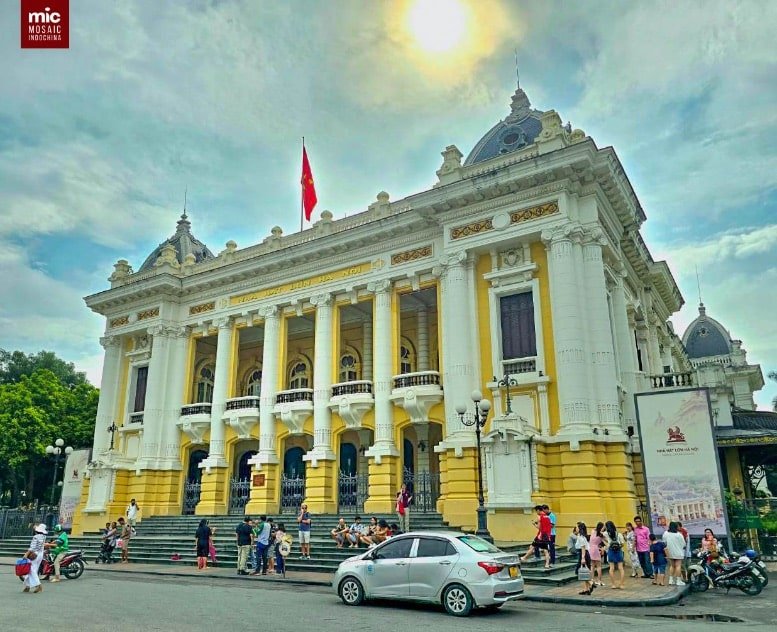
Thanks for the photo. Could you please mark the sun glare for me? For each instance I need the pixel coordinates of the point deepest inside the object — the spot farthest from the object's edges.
(437, 26)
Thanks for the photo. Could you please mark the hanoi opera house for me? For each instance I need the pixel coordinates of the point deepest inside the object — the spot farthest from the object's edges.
(327, 365)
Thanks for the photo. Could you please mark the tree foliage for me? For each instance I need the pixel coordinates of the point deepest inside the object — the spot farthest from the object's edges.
(42, 398)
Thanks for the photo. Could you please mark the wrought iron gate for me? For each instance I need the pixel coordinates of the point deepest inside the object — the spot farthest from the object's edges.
(351, 492)
(239, 493)
(191, 496)
(425, 489)
(292, 493)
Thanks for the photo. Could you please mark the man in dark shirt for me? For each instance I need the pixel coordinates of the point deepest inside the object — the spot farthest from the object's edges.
(243, 539)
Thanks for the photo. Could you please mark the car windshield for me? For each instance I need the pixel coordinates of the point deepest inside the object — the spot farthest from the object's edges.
(478, 544)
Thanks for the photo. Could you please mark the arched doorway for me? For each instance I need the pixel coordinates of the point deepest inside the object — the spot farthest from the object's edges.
(293, 465)
(292, 479)
(194, 473)
(243, 470)
(348, 459)
(240, 484)
(191, 486)
(408, 457)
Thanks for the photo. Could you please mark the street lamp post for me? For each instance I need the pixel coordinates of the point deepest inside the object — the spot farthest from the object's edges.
(112, 429)
(507, 382)
(478, 419)
(56, 450)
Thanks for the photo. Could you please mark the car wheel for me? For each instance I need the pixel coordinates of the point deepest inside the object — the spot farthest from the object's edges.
(457, 600)
(351, 591)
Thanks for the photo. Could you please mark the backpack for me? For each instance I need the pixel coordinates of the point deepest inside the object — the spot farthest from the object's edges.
(615, 545)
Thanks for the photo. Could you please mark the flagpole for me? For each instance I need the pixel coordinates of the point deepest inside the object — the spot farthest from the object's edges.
(302, 195)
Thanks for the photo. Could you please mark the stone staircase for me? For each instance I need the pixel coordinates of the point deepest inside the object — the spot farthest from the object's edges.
(159, 538)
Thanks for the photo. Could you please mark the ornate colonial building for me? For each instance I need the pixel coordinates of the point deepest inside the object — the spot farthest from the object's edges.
(328, 364)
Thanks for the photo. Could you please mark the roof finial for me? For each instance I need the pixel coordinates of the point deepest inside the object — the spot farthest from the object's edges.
(698, 286)
(517, 72)
(185, 191)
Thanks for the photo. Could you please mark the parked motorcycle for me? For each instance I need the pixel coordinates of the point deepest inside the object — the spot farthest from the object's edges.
(713, 572)
(72, 566)
(759, 567)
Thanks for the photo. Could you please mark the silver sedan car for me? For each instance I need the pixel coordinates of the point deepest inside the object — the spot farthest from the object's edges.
(458, 570)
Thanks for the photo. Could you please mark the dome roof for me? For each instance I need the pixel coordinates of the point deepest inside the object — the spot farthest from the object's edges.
(184, 243)
(706, 337)
(515, 132)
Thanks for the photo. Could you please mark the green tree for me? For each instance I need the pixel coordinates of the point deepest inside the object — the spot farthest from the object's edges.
(35, 409)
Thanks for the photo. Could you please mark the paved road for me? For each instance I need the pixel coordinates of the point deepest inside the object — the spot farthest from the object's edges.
(104, 601)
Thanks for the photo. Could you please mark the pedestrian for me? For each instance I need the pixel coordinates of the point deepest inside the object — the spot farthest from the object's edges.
(584, 560)
(595, 544)
(382, 532)
(271, 548)
(243, 540)
(125, 535)
(552, 544)
(642, 544)
(35, 555)
(709, 543)
(687, 558)
(675, 551)
(658, 560)
(631, 546)
(59, 549)
(212, 547)
(615, 543)
(355, 532)
(262, 540)
(339, 532)
(542, 539)
(572, 545)
(282, 548)
(202, 544)
(132, 512)
(404, 498)
(304, 522)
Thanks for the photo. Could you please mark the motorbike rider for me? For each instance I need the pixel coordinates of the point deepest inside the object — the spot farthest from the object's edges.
(59, 549)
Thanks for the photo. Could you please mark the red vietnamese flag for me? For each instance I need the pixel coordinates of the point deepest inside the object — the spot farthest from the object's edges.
(309, 198)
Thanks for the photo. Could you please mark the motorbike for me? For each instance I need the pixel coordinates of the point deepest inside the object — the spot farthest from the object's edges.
(72, 567)
(759, 567)
(713, 572)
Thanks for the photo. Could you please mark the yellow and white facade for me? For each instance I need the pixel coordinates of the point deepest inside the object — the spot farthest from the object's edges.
(347, 347)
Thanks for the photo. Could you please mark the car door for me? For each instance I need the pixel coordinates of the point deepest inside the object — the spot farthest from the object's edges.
(432, 562)
(386, 572)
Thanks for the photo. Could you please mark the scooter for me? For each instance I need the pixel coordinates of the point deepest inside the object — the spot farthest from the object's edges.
(739, 575)
(72, 566)
(759, 567)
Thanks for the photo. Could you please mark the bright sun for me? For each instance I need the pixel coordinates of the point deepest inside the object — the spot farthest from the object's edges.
(437, 25)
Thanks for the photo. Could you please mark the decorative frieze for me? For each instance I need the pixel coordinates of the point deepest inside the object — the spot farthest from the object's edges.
(118, 322)
(148, 313)
(202, 308)
(411, 255)
(516, 217)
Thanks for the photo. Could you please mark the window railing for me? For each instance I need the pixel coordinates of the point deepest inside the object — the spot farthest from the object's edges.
(136, 418)
(352, 388)
(196, 409)
(422, 378)
(517, 366)
(241, 403)
(294, 395)
(672, 380)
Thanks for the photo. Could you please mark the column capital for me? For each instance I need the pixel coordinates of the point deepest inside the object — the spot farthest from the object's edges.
(567, 232)
(110, 341)
(180, 332)
(383, 286)
(223, 323)
(159, 331)
(321, 300)
(268, 311)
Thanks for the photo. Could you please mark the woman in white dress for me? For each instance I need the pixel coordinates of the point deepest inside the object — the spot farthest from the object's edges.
(631, 545)
(675, 551)
(35, 555)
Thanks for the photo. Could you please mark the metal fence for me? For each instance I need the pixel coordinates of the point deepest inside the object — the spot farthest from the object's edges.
(753, 524)
(239, 494)
(19, 521)
(292, 493)
(351, 492)
(191, 496)
(425, 489)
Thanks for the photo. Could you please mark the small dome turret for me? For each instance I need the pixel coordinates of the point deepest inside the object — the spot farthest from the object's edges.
(184, 244)
(706, 337)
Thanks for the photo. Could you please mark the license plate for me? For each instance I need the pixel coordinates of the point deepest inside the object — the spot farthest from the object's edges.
(513, 572)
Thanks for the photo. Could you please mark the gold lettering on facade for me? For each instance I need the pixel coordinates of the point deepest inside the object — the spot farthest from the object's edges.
(301, 284)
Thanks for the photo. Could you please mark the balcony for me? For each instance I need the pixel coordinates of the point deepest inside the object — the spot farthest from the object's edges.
(194, 421)
(351, 400)
(242, 414)
(519, 366)
(672, 380)
(136, 418)
(416, 393)
(293, 407)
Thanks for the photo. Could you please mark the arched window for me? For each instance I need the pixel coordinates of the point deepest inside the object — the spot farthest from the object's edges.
(406, 356)
(205, 384)
(254, 383)
(299, 373)
(350, 366)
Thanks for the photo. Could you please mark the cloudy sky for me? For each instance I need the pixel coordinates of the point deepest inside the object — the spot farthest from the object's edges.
(98, 142)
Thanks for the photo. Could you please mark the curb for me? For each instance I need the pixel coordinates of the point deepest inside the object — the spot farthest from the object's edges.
(287, 580)
(666, 600)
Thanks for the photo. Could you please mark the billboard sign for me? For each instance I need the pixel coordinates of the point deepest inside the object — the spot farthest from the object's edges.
(73, 480)
(680, 461)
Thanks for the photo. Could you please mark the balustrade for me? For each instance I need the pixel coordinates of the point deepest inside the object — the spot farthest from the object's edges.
(196, 409)
(295, 395)
(241, 403)
(421, 378)
(518, 366)
(352, 388)
(136, 418)
(672, 380)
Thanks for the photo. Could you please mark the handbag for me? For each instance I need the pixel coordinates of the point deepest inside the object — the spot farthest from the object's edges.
(30, 555)
(23, 567)
(120, 543)
(584, 574)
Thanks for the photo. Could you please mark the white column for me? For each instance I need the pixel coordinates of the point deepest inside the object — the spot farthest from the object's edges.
(171, 434)
(626, 350)
(156, 386)
(322, 380)
(423, 339)
(270, 350)
(216, 449)
(568, 332)
(382, 377)
(367, 350)
(109, 385)
(601, 348)
(456, 324)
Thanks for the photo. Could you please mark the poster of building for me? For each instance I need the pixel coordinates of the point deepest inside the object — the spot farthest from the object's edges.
(72, 480)
(680, 461)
